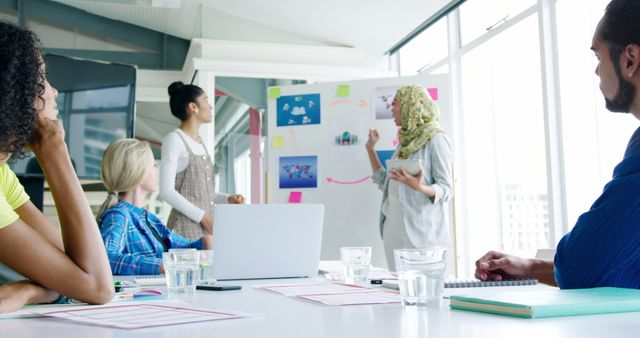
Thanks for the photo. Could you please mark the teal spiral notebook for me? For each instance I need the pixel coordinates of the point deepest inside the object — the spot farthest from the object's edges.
(551, 303)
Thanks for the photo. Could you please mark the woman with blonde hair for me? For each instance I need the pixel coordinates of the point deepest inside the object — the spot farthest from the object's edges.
(413, 212)
(134, 237)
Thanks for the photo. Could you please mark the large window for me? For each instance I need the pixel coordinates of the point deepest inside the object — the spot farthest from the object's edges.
(242, 168)
(594, 138)
(501, 145)
(504, 143)
(424, 50)
(480, 16)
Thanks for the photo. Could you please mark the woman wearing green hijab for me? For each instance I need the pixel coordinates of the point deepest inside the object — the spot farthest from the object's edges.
(414, 208)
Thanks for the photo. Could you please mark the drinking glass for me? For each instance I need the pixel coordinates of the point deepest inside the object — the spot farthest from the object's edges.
(206, 267)
(421, 275)
(181, 270)
(356, 262)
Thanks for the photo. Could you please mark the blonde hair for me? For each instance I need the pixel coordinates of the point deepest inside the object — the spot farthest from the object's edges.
(124, 165)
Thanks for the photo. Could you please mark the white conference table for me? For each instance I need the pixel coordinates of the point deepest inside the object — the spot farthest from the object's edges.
(283, 317)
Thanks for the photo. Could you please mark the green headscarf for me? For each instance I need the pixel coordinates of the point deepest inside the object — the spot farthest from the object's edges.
(420, 119)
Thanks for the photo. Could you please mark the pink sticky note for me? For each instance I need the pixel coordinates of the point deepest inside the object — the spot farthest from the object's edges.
(295, 197)
(433, 92)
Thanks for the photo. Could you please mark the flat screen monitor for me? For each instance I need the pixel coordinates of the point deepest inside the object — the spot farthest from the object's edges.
(96, 101)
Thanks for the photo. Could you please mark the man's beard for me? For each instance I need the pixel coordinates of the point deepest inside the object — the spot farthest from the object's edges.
(621, 103)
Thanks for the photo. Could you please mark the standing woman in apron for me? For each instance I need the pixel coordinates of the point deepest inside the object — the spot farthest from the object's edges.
(186, 171)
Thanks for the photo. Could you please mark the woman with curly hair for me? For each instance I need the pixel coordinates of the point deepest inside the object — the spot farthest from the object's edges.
(413, 212)
(72, 262)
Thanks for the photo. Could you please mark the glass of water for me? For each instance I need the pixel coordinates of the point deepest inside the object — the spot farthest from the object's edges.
(181, 269)
(421, 275)
(206, 267)
(356, 262)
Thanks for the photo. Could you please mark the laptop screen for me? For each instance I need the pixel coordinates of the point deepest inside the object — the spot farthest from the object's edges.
(266, 240)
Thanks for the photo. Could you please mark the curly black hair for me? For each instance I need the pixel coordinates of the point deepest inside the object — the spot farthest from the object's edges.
(21, 84)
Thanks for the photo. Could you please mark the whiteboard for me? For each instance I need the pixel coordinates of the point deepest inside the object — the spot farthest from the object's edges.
(306, 128)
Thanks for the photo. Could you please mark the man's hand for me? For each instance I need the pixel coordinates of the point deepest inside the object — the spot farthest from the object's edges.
(495, 266)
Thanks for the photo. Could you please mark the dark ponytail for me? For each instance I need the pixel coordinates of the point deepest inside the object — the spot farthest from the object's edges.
(180, 95)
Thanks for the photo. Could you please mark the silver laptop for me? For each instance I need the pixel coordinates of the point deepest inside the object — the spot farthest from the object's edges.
(266, 240)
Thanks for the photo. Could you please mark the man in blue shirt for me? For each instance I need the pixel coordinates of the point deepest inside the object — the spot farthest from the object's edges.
(603, 247)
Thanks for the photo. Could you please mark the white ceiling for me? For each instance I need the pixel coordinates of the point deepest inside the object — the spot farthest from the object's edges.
(371, 25)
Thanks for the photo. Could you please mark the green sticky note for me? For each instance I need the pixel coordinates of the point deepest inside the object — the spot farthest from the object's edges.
(278, 142)
(343, 90)
(274, 92)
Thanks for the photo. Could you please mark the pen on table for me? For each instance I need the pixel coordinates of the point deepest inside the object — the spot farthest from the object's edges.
(380, 280)
(120, 285)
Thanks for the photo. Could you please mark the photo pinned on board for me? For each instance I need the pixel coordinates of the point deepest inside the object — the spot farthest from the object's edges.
(346, 139)
(298, 172)
(296, 110)
(383, 100)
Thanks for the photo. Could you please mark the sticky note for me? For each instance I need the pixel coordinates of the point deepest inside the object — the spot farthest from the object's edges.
(433, 92)
(277, 142)
(274, 92)
(295, 197)
(343, 90)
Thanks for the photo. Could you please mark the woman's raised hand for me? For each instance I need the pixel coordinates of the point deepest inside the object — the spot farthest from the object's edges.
(373, 138)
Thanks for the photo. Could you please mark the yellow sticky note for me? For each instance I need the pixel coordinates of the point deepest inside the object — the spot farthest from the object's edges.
(343, 90)
(274, 92)
(277, 142)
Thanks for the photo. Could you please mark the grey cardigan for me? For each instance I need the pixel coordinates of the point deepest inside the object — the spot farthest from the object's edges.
(426, 219)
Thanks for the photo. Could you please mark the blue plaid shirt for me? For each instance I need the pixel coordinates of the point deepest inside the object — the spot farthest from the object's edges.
(131, 246)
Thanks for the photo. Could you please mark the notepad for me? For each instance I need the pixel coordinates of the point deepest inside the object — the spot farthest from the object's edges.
(472, 283)
(551, 303)
(150, 280)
